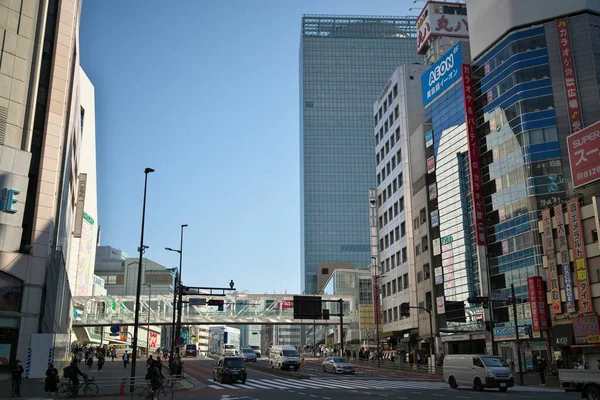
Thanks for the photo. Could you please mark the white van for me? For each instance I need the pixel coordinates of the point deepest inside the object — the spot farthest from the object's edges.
(284, 357)
(477, 371)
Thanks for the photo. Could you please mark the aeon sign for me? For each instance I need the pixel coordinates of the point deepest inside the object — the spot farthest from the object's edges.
(7, 199)
(442, 74)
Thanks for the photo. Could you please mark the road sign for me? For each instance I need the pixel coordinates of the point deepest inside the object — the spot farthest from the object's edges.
(197, 302)
(115, 329)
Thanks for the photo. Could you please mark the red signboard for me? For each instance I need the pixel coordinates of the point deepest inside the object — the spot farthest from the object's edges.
(441, 19)
(285, 304)
(474, 165)
(580, 266)
(376, 302)
(533, 302)
(584, 155)
(153, 340)
(569, 77)
(541, 300)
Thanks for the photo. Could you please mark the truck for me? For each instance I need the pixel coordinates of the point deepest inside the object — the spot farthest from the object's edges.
(581, 380)
(223, 340)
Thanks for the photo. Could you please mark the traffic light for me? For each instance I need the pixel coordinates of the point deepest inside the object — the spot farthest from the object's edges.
(219, 303)
(404, 310)
(485, 302)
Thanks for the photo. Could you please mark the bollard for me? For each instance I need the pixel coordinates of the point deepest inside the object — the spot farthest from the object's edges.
(122, 388)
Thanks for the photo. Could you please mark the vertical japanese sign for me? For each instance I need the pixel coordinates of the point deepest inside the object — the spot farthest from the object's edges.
(540, 294)
(552, 272)
(474, 166)
(563, 259)
(581, 270)
(569, 77)
(533, 303)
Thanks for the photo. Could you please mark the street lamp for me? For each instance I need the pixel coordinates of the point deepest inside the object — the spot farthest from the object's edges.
(148, 331)
(141, 249)
(180, 290)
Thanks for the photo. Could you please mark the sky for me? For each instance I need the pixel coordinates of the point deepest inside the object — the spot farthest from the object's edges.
(206, 93)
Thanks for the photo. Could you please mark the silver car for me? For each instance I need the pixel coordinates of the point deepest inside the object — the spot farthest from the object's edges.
(337, 365)
(249, 355)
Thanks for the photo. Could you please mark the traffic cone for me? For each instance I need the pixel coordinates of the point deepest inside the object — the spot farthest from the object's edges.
(122, 388)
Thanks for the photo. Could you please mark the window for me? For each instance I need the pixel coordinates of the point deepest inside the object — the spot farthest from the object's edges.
(424, 243)
(111, 279)
(423, 214)
(419, 276)
(394, 286)
(405, 279)
(324, 271)
(394, 184)
(398, 262)
(387, 265)
(399, 155)
(393, 261)
(400, 180)
(426, 271)
(404, 255)
(401, 203)
(395, 90)
(399, 283)
(397, 232)
(398, 138)
(594, 235)
(418, 250)
(395, 209)
(390, 315)
(402, 229)
(395, 313)
(428, 301)
(382, 290)
(396, 112)
(384, 317)
(389, 287)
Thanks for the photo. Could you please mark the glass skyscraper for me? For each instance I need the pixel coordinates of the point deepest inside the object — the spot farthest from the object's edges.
(345, 62)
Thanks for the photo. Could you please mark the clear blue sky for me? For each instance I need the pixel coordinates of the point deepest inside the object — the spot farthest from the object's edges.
(206, 93)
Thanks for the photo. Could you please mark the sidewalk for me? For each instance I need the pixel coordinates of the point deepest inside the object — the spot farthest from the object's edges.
(109, 380)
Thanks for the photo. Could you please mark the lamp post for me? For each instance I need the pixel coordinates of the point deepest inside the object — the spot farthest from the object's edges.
(179, 288)
(174, 314)
(148, 329)
(141, 249)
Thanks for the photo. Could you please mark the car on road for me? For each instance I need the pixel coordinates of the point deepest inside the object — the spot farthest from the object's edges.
(249, 355)
(230, 369)
(284, 357)
(337, 365)
(191, 350)
(256, 350)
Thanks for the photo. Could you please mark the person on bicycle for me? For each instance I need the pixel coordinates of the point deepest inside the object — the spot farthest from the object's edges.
(156, 377)
(74, 377)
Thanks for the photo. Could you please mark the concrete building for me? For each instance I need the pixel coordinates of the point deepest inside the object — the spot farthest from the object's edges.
(536, 84)
(397, 113)
(40, 136)
(344, 63)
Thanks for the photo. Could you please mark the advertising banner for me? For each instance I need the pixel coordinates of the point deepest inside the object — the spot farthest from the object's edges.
(581, 270)
(474, 165)
(433, 191)
(552, 271)
(441, 19)
(440, 76)
(569, 76)
(586, 330)
(533, 302)
(547, 238)
(430, 164)
(584, 155)
(441, 305)
(542, 307)
(435, 218)
(429, 138)
(563, 260)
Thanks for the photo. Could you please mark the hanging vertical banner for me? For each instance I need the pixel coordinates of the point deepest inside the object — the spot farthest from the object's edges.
(474, 166)
(533, 303)
(580, 266)
(77, 225)
(540, 295)
(569, 77)
(552, 272)
(563, 259)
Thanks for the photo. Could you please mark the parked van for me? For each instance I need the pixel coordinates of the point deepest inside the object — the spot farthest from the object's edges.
(477, 371)
(284, 357)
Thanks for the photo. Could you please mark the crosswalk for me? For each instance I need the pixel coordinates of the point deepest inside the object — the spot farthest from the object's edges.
(312, 383)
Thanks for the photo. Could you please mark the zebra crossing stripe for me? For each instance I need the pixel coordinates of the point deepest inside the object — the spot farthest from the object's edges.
(380, 384)
(215, 387)
(254, 385)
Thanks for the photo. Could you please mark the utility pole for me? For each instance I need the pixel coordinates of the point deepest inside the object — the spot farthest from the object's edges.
(514, 307)
(341, 304)
(174, 313)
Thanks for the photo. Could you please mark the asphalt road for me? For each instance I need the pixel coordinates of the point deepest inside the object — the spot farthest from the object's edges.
(326, 386)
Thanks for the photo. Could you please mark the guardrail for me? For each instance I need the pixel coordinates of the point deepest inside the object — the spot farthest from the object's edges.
(421, 369)
(122, 385)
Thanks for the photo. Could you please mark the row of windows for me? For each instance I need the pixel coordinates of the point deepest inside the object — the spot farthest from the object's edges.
(387, 125)
(389, 168)
(391, 213)
(389, 146)
(394, 286)
(387, 103)
(395, 260)
(516, 47)
(517, 77)
(392, 188)
(393, 236)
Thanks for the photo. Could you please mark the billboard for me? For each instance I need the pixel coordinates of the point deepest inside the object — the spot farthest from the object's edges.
(563, 259)
(569, 77)
(584, 155)
(581, 270)
(85, 264)
(552, 271)
(533, 302)
(441, 19)
(441, 75)
(472, 140)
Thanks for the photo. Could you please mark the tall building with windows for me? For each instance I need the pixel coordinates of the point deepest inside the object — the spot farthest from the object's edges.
(536, 70)
(344, 63)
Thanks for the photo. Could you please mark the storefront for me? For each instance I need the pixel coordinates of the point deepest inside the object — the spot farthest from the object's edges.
(11, 290)
(586, 337)
(562, 340)
(464, 343)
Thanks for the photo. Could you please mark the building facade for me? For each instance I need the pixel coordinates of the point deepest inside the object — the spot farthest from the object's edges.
(39, 135)
(536, 84)
(398, 113)
(344, 63)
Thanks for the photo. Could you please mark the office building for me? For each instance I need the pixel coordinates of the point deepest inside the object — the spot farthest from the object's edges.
(536, 84)
(40, 136)
(344, 63)
(398, 113)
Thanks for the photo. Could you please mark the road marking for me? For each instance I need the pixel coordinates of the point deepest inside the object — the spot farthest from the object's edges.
(312, 395)
(327, 398)
(417, 393)
(403, 398)
(462, 397)
(437, 394)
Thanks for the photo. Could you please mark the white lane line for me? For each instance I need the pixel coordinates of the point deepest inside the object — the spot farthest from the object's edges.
(417, 393)
(462, 397)
(214, 387)
(327, 398)
(437, 394)
(403, 398)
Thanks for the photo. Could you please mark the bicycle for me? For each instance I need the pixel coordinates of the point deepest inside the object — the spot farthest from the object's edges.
(164, 392)
(65, 389)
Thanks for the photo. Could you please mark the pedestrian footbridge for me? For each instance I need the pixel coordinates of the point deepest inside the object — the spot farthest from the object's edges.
(238, 309)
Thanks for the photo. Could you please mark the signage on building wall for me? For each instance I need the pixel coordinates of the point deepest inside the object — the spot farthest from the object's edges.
(437, 249)
(537, 303)
(153, 340)
(507, 332)
(475, 172)
(580, 265)
(433, 191)
(429, 138)
(584, 155)
(430, 164)
(563, 248)
(441, 75)
(285, 304)
(552, 271)
(78, 223)
(533, 303)
(586, 330)
(439, 275)
(441, 305)
(435, 218)
(7, 199)
(569, 76)
(441, 19)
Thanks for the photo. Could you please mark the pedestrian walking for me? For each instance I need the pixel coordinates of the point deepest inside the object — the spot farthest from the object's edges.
(113, 354)
(542, 370)
(90, 359)
(125, 359)
(52, 379)
(16, 374)
(101, 361)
